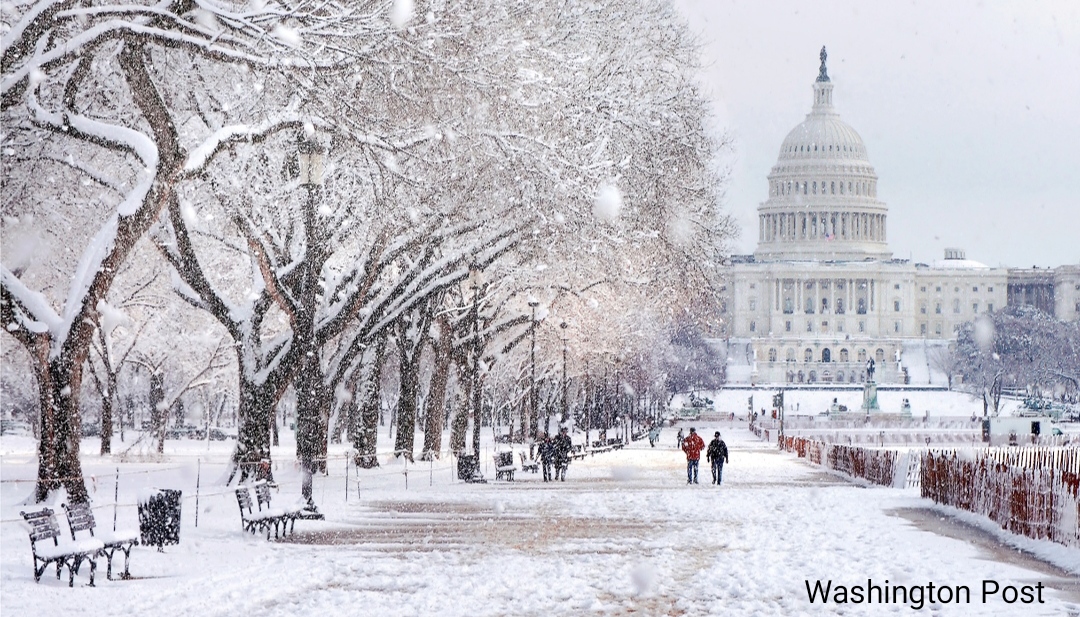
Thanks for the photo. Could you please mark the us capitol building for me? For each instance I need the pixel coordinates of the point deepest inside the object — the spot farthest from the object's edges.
(822, 294)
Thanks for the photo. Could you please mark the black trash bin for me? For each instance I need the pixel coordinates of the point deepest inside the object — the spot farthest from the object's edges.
(159, 517)
(468, 468)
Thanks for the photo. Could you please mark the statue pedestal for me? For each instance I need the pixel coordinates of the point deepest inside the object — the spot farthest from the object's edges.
(869, 395)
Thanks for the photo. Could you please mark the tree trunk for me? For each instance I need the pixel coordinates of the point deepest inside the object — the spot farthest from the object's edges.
(107, 412)
(407, 400)
(366, 435)
(433, 429)
(313, 402)
(158, 414)
(59, 466)
(254, 410)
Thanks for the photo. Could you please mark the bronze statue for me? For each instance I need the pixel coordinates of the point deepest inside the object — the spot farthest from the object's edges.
(823, 75)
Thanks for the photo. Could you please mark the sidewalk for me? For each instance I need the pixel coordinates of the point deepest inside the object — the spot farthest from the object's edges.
(624, 535)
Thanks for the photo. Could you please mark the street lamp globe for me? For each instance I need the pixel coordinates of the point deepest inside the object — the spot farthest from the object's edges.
(311, 156)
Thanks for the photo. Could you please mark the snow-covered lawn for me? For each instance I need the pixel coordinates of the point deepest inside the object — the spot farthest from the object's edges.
(624, 535)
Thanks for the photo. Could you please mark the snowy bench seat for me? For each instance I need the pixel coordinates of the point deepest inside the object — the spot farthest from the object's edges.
(81, 518)
(43, 526)
(255, 520)
(504, 466)
(287, 516)
(527, 465)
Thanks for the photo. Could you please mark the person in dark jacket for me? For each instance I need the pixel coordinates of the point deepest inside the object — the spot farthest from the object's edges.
(717, 454)
(562, 454)
(547, 456)
(692, 446)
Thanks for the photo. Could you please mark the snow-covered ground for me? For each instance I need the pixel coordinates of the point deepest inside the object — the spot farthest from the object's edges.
(623, 535)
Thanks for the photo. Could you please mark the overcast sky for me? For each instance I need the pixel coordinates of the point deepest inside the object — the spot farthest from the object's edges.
(970, 112)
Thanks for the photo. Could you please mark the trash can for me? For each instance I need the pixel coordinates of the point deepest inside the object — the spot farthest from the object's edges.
(159, 517)
(468, 467)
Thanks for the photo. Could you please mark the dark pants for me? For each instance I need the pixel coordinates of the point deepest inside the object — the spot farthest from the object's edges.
(560, 470)
(547, 470)
(717, 470)
(691, 470)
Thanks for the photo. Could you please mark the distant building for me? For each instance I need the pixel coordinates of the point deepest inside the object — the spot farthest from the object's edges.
(822, 293)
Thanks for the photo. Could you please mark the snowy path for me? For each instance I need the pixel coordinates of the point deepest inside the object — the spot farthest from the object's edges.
(623, 536)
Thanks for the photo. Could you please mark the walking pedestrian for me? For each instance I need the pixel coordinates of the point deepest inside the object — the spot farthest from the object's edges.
(717, 455)
(562, 454)
(654, 435)
(679, 439)
(547, 456)
(692, 446)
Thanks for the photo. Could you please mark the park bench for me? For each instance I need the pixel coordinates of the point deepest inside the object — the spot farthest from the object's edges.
(81, 518)
(527, 465)
(287, 516)
(43, 526)
(578, 451)
(256, 520)
(504, 466)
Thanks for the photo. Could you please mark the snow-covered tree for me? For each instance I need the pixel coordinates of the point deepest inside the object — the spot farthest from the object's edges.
(96, 102)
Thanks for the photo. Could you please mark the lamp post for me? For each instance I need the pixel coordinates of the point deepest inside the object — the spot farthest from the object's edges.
(533, 416)
(476, 281)
(565, 401)
(310, 157)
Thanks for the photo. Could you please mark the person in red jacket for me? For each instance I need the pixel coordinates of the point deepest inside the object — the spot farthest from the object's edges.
(692, 445)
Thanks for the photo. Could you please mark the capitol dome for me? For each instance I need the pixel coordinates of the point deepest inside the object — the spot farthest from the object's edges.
(822, 202)
(823, 136)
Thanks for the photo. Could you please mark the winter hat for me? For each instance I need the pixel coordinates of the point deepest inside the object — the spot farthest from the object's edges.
(692, 430)
(717, 433)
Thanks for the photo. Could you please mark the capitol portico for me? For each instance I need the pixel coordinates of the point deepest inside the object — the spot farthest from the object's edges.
(822, 294)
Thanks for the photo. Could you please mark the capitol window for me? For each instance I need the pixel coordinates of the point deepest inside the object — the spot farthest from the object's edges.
(989, 307)
(840, 304)
(753, 326)
(772, 354)
(975, 289)
(922, 329)
(956, 305)
(862, 355)
(975, 307)
(787, 326)
(862, 326)
(753, 304)
(808, 355)
(809, 326)
(896, 306)
(937, 308)
(991, 289)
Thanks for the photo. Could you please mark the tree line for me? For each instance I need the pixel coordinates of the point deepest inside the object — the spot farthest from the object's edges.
(298, 195)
